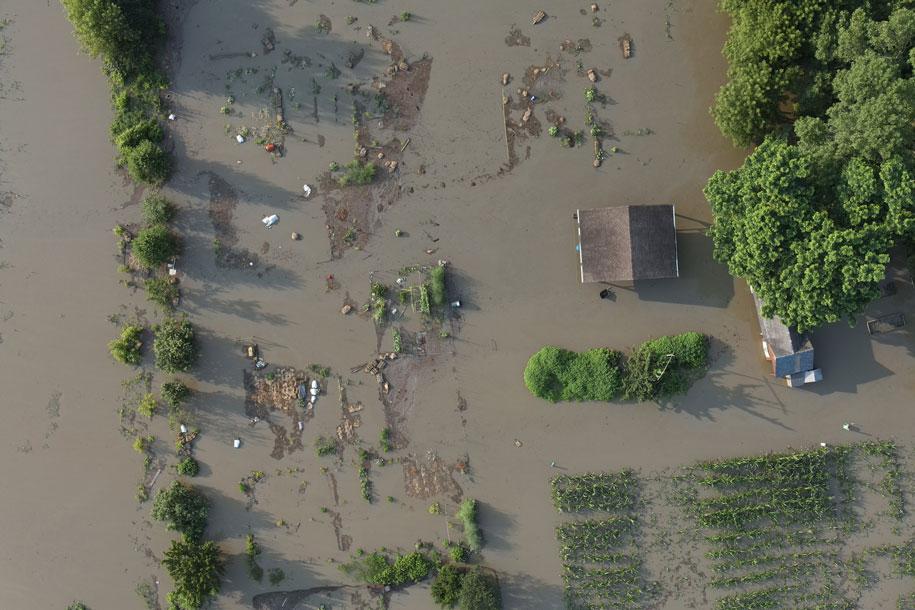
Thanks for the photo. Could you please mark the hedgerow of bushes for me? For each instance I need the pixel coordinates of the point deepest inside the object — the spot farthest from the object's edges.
(126, 35)
(656, 369)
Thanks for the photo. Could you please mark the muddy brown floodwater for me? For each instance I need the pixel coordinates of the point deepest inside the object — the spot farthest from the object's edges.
(70, 525)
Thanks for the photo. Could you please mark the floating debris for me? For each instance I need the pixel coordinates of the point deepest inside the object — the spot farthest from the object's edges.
(538, 17)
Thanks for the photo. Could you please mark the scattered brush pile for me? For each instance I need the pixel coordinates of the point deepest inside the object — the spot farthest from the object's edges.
(656, 369)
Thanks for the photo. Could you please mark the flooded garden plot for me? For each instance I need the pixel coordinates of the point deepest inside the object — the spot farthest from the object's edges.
(823, 528)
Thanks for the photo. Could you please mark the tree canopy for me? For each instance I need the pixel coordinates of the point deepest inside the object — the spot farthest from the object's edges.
(196, 567)
(810, 217)
(175, 345)
(182, 509)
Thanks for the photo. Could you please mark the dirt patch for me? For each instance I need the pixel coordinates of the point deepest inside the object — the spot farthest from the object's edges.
(430, 477)
(406, 91)
(583, 45)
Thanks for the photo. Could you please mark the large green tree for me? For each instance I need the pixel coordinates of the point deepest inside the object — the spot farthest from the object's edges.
(196, 567)
(811, 216)
(183, 509)
(175, 345)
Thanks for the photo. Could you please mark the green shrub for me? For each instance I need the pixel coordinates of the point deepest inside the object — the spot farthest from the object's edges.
(557, 374)
(467, 513)
(188, 467)
(162, 292)
(175, 345)
(665, 366)
(77, 606)
(174, 393)
(357, 172)
(325, 446)
(377, 569)
(148, 405)
(182, 509)
(147, 162)
(157, 210)
(479, 591)
(446, 588)
(128, 346)
(690, 349)
(458, 552)
(276, 576)
(155, 245)
(385, 440)
(437, 286)
(132, 136)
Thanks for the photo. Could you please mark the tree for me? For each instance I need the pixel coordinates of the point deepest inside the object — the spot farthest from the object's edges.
(183, 509)
(812, 246)
(480, 591)
(154, 246)
(196, 567)
(103, 29)
(175, 345)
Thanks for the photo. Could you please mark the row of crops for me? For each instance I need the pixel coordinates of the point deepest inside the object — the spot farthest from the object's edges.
(773, 531)
(602, 565)
(774, 525)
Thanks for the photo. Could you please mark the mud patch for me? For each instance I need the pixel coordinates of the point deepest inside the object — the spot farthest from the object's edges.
(343, 541)
(430, 477)
(516, 38)
(221, 210)
(406, 91)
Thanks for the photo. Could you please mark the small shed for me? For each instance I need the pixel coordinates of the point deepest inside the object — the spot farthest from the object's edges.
(789, 351)
(627, 243)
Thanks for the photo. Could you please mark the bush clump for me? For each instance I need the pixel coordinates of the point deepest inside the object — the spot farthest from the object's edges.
(437, 286)
(558, 374)
(188, 467)
(147, 162)
(446, 588)
(467, 513)
(128, 346)
(155, 245)
(182, 509)
(157, 210)
(656, 369)
(197, 568)
(358, 173)
(174, 393)
(479, 591)
(162, 292)
(252, 550)
(175, 345)
(377, 569)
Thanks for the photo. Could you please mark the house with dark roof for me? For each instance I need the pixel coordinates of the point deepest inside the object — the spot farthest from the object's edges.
(627, 243)
(790, 352)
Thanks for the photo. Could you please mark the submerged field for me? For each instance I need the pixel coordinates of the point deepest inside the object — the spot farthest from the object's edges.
(392, 446)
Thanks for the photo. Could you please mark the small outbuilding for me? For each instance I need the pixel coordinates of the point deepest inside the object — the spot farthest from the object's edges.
(627, 243)
(790, 352)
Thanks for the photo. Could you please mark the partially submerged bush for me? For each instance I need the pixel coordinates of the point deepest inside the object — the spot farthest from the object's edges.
(437, 286)
(188, 467)
(147, 162)
(479, 591)
(325, 446)
(174, 393)
(657, 368)
(162, 292)
(558, 374)
(252, 550)
(196, 567)
(175, 345)
(155, 245)
(157, 210)
(377, 569)
(446, 588)
(147, 406)
(467, 513)
(128, 346)
(357, 173)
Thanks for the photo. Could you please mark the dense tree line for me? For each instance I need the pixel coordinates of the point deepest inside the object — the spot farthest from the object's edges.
(826, 91)
(126, 35)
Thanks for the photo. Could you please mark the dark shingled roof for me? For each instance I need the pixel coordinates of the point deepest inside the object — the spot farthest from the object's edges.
(628, 243)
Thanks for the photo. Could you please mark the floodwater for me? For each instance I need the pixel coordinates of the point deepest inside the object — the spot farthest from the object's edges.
(70, 525)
